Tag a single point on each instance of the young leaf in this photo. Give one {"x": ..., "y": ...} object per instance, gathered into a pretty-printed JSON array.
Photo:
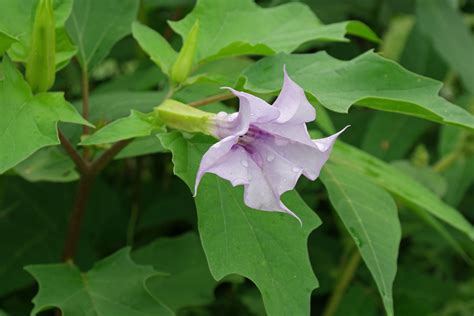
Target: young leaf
[
  {"x": 28, "y": 122},
  {"x": 414, "y": 194},
  {"x": 95, "y": 26},
  {"x": 368, "y": 80},
  {"x": 159, "y": 50},
  {"x": 229, "y": 28},
  {"x": 114, "y": 286},
  {"x": 188, "y": 281},
  {"x": 268, "y": 248},
  {"x": 370, "y": 215},
  {"x": 137, "y": 124}
]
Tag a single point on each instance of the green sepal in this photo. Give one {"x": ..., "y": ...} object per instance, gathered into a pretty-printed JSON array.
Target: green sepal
[{"x": 185, "y": 118}]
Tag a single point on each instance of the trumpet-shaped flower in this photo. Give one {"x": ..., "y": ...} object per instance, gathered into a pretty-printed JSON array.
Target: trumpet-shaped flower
[{"x": 266, "y": 148}]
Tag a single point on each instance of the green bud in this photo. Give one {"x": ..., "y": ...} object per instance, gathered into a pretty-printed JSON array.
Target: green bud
[
  {"x": 184, "y": 117},
  {"x": 184, "y": 62},
  {"x": 40, "y": 65}
]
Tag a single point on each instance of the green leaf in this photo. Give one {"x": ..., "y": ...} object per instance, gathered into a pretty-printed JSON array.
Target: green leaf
[
  {"x": 440, "y": 22},
  {"x": 137, "y": 124},
  {"x": 189, "y": 282},
  {"x": 412, "y": 193},
  {"x": 28, "y": 122},
  {"x": 6, "y": 41},
  {"x": 260, "y": 31},
  {"x": 48, "y": 164},
  {"x": 155, "y": 45},
  {"x": 370, "y": 215},
  {"x": 141, "y": 146},
  {"x": 240, "y": 240},
  {"x": 95, "y": 26},
  {"x": 114, "y": 286},
  {"x": 368, "y": 80}
]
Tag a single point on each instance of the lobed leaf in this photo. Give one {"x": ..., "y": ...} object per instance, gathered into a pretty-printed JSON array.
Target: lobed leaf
[
  {"x": 260, "y": 31},
  {"x": 188, "y": 281},
  {"x": 104, "y": 290},
  {"x": 367, "y": 80},
  {"x": 28, "y": 122},
  {"x": 269, "y": 248}
]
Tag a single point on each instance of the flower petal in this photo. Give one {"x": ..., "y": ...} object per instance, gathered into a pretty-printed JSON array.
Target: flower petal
[
  {"x": 214, "y": 157},
  {"x": 271, "y": 175},
  {"x": 255, "y": 109},
  {"x": 293, "y": 104}
]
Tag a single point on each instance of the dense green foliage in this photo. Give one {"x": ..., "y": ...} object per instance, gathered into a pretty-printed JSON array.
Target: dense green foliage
[{"x": 97, "y": 214}]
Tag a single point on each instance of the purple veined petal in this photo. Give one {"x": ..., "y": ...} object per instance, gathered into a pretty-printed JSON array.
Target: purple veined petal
[
  {"x": 270, "y": 176},
  {"x": 257, "y": 109},
  {"x": 293, "y": 104},
  {"x": 214, "y": 156},
  {"x": 290, "y": 132}
]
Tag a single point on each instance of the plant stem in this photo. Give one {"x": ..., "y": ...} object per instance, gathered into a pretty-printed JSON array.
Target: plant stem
[
  {"x": 446, "y": 161},
  {"x": 77, "y": 214},
  {"x": 348, "y": 270},
  {"x": 88, "y": 175},
  {"x": 101, "y": 162},
  {"x": 212, "y": 99},
  {"x": 81, "y": 164}
]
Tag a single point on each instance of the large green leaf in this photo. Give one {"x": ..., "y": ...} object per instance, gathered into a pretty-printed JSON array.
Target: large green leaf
[
  {"x": 28, "y": 122},
  {"x": 268, "y": 248},
  {"x": 137, "y": 124},
  {"x": 370, "y": 215},
  {"x": 440, "y": 22},
  {"x": 114, "y": 286},
  {"x": 241, "y": 27},
  {"x": 95, "y": 26},
  {"x": 188, "y": 281},
  {"x": 414, "y": 194},
  {"x": 368, "y": 80}
]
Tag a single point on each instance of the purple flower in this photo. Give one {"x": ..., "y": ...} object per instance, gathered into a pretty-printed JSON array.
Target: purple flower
[{"x": 266, "y": 148}]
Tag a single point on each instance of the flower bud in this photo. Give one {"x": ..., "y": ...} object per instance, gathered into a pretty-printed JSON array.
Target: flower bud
[
  {"x": 184, "y": 117},
  {"x": 184, "y": 62},
  {"x": 40, "y": 66}
]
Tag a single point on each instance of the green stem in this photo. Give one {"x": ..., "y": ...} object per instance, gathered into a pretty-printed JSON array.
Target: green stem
[
  {"x": 446, "y": 161},
  {"x": 348, "y": 270}
]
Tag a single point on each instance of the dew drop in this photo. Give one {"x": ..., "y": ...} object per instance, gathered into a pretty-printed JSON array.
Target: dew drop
[
  {"x": 244, "y": 163},
  {"x": 221, "y": 114},
  {"x": 270, "y": 158}
]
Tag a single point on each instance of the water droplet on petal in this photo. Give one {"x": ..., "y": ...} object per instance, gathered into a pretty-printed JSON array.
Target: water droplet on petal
[
  {"x": 296, "y": 169},
  {"x": 244, "y": 163},
  {"x": 270, "y": 158},
  {"x": 221, "y": 114}
]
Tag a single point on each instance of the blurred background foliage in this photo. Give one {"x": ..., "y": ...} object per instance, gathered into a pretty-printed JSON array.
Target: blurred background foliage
[{"x": 138, "y": 202}]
